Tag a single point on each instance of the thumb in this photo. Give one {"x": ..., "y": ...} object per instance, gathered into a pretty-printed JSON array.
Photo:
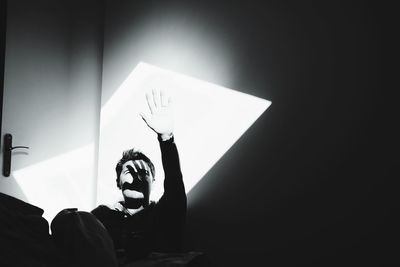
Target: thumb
[
  {"x": 147, "y": 120},
  {"x": 144, "y": 117}
]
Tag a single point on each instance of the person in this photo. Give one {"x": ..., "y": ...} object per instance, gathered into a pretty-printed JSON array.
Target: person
[{"x": 137, "y": 225}]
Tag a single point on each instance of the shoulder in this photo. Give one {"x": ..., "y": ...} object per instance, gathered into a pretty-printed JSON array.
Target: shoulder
[{"x": 103, "y": 210}]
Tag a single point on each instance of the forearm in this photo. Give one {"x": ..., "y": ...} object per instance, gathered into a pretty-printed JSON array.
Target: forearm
[{"x": 173, "y": 182}]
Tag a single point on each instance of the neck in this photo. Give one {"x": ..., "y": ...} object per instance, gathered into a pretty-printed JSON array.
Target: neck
[
  {"x": 121, "y": 207},
  {"x": 133, "y": 211}
]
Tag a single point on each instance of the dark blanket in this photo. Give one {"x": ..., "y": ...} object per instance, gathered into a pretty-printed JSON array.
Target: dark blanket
[
  {"x": 187, "y": 259},
  {"x": 24, "y": 235},
  {"x": 82, "y": 239},
  {"x": 78, "y": 238}
]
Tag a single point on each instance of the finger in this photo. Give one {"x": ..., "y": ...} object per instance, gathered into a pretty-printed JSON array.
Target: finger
[
  {"x": 131, "y": 168},
  {"x": 147, "y": 167},
  {"x": 147, "y": 120},
  {"x": 142, "y": 164},
  {"x": 156, "y": 98},
  {"x": 137, "y": 165},
  {"x": 144, "y": 117},
  {"x": 164, "y": 98},
  {"x": 150, "y": 102}
]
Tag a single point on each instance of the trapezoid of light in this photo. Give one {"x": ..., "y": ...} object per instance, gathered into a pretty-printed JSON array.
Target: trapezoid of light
[{"x": 208, "y": 120}]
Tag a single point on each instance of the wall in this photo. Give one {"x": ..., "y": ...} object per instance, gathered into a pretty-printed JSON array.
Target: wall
[
  {"x": 304, "y": 184},
  {"x": 307, "y": 183},
  {"x": 52, "y": 91},
  {"x": 3, "y": 21}
]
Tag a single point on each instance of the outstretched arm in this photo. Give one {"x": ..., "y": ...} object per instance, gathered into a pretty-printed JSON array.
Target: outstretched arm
[
  {"x": 171, "y": 208},
  {"x": 160, "y": 120}
]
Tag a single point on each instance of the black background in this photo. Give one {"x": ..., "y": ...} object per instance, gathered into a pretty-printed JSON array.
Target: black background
[{"x": 312, "y": 181}]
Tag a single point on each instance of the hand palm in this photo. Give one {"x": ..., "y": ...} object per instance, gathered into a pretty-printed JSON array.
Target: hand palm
[{"x": 160, "y": 119}]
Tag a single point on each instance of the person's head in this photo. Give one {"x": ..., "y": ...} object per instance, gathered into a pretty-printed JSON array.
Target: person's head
[{"x": 135, "y": 176}]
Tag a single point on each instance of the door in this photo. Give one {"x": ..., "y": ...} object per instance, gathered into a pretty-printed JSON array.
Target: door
[{"x": 51, "y": 102}]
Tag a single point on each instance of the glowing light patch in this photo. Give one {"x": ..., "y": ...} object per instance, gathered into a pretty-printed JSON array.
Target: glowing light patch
[
  {"x": 209, "y": 119},
  {"x": 64, "y": 181}
]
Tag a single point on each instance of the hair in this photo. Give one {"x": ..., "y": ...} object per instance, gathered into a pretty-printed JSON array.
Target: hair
[{"x": 133, "y": 154}]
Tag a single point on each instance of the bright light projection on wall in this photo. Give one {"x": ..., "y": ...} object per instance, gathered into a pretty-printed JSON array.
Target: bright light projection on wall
[
  {"x": 209, "y": 119},
  {"x": 60, "y": 182}
]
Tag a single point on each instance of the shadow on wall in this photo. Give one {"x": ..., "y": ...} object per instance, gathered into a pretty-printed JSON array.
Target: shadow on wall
[{"x": 300, "y": 186}]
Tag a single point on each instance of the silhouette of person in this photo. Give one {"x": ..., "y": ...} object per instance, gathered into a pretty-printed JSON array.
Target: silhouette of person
[{"x": 137, "y": 225}]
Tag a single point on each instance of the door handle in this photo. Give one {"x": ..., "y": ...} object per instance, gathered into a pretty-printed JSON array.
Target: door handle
[{"x": 7, "y": 149}]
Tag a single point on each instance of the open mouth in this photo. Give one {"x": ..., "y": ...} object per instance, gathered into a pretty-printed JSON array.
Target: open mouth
[{"x": 133, "y": 193}]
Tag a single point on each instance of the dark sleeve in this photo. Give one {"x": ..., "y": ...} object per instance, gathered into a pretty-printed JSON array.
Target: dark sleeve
[
  {"x": 174, "y": 189},
  {"x": 171, "y": 208}
]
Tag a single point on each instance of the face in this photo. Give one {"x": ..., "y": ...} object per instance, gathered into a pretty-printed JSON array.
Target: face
[{"x": 135, "y": 181}]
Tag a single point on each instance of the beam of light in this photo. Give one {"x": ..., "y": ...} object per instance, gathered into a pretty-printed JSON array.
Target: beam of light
[
  {"x": 64, "y": 181},
  {"x": 209, "y": 119}
]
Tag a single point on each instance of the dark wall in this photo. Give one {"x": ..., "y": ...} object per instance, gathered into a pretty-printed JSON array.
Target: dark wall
[{"x": 309, "y": 181}]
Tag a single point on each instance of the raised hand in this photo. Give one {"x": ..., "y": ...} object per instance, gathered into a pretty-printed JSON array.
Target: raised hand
[{"x": 160, "y": 119}]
